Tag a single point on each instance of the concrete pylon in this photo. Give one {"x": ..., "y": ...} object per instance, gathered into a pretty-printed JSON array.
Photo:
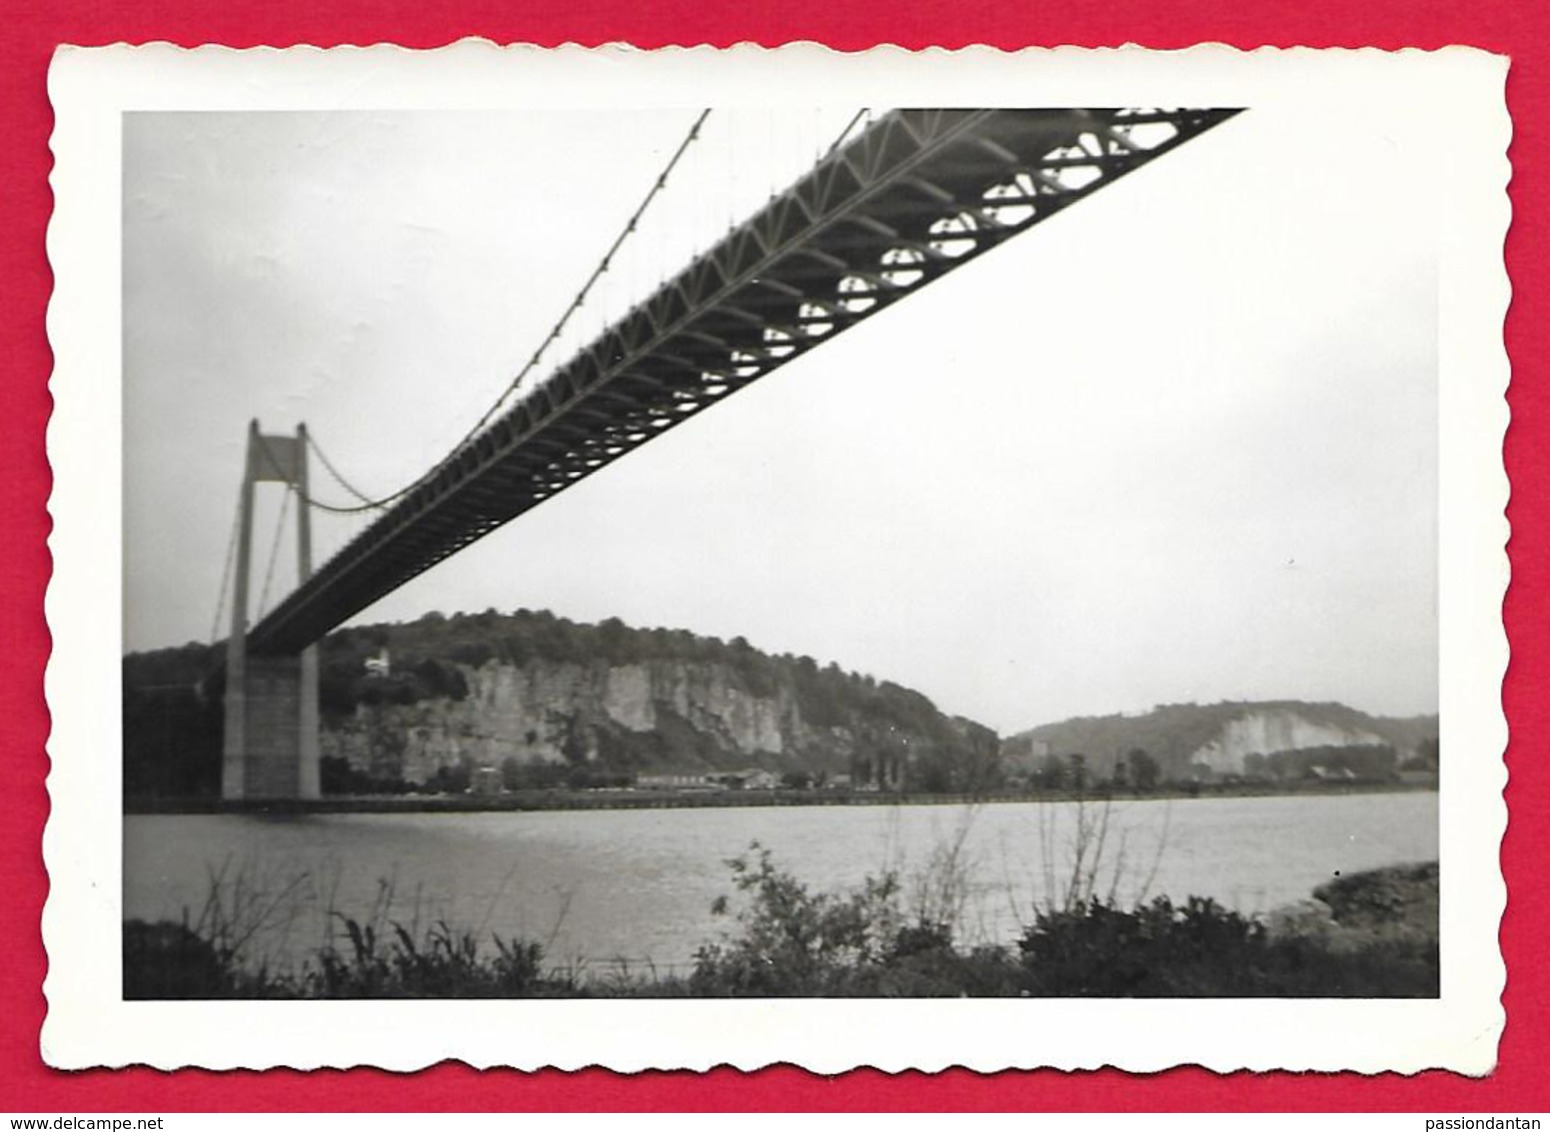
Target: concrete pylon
[{"x": 270, "y": 743}]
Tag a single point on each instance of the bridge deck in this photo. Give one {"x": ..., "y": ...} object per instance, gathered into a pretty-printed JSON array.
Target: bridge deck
[{"x": 909, "y": 199}]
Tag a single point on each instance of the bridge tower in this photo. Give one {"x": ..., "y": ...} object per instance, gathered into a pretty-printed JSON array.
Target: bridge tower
[{"x": 270, "y": 745}]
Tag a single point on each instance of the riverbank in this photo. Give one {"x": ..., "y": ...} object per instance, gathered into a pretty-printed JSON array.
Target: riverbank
[
  {"x": 621, "y": 799},
  {"x": 1368, "y": 935}
]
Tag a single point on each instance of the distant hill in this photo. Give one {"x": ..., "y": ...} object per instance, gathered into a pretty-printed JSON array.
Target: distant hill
[
  {"x": 1222, "y": 738},
  {"x": 548, "y": 700}
]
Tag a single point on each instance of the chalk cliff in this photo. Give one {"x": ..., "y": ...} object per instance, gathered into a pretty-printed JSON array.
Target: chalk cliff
[
  {"x": 652, "y": 712},
  {"x": 532, "y": 689},
  {"x": 1269, "y": 731}
]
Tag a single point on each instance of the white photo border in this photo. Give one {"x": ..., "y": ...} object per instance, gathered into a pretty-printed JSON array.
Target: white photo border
[{"x": 88, "y": 1022}]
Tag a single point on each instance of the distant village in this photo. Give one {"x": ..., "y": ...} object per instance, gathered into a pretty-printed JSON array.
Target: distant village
[{"x": 487, "y": 781}]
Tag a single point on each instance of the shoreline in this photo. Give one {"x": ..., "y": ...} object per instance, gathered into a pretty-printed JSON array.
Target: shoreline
[
  {"x": 532, "y": 801},
  {"x": 1371, "y": 934}
]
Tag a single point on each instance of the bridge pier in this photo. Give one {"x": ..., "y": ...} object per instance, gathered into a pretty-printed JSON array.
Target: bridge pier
[
  {"x": 276, "y": 754},
  {"x": 270, "y": 741}
]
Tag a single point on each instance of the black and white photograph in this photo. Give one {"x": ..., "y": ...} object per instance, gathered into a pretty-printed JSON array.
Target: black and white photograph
[{"x": 675, "y": 530}]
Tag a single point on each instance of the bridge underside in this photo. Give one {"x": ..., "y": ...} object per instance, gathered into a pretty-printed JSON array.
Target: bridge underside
[{"x": 912, "y": 197}]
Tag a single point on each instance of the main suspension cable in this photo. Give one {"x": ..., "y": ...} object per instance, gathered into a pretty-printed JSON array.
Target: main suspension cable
[
  {"x": 285, "y": 477},
  {"x": 368, "y": 503},
  {"x": 371, "y": 504},
  {"x": 333, "y": 471}
]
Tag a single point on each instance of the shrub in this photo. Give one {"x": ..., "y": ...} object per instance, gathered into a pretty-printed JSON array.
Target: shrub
[
  {"x": 1098, "y": 949},
  {"x": 168, "y": 960},
  {"x": 1199, "y": 949},
  {"x": 793, "y": 941}
]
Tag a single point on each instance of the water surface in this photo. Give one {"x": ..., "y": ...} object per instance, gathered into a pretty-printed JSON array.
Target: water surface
[{"x": 638, "y": 885}]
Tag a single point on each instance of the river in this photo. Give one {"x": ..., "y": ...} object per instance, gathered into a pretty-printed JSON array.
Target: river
[{"x": 603, "y": 886}]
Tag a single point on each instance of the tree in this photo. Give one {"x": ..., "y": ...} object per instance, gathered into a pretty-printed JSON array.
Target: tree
[
  {"x": 450, "y": 779},
  {"x": 617, "y": 641},
  {"x": 574, "y": 746},
  {"x": 1144, "y": 770},
  {"x": 1053, "y": 775},
  {"x": 511, "y": 773},
  {"x": 1078, "y": 772}
]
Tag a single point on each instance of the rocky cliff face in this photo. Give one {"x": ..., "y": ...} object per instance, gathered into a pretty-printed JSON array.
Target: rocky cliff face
[
  {"x": 552, "y": 701},
  {"x": 655, "y": 712},
  {"x": 1266, "y": 732}
]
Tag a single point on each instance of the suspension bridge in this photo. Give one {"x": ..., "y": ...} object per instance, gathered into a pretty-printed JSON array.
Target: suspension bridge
[{"x": 890, "y": 208}]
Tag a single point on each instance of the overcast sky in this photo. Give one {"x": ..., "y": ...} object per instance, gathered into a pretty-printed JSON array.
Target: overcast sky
[{"x": 1177, "y": 443}]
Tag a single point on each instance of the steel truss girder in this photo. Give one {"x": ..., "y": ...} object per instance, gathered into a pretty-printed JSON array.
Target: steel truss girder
[{"x": 906, "y": 201}]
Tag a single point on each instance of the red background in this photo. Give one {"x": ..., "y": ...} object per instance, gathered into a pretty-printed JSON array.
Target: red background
[{"x": 29, "y": 31}]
